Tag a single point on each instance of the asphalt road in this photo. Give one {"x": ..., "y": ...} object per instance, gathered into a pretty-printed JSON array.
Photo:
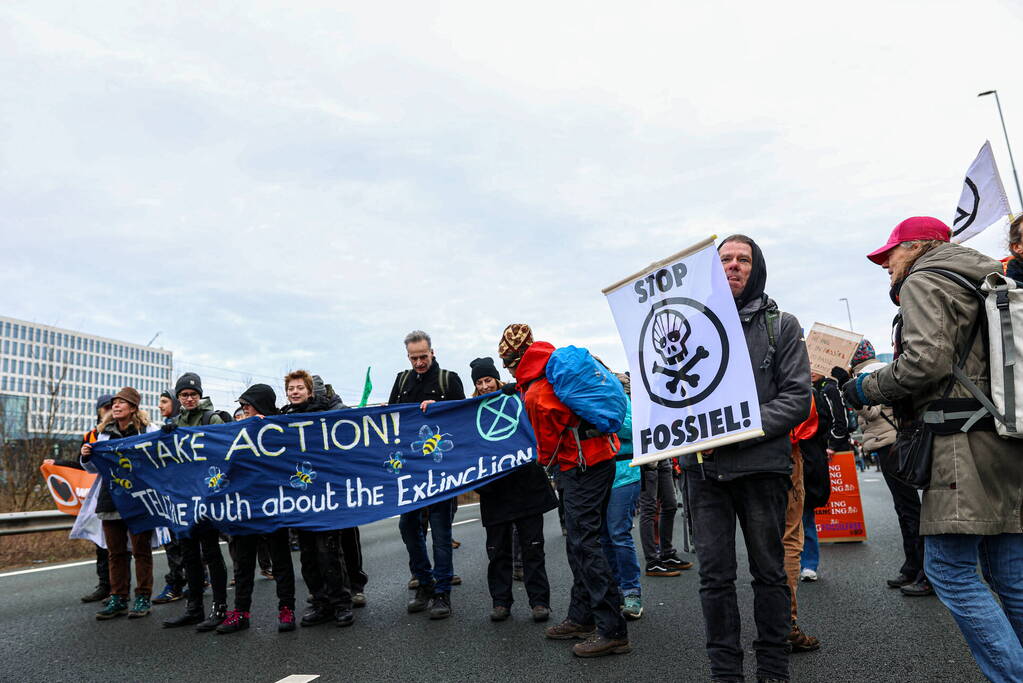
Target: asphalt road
[{"x": 869, "y": 633}]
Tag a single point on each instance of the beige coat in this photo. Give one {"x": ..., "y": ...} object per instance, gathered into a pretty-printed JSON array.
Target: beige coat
[
  {"x": 877, "y": 431},
  {"x": 977, "y": 478}
]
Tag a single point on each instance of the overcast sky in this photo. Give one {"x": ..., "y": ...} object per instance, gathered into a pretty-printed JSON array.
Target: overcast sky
[{"x": 274, "y": 187}]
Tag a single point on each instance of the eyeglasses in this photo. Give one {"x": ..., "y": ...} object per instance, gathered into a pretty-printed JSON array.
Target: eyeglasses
[{"x": 511, "y": 362}]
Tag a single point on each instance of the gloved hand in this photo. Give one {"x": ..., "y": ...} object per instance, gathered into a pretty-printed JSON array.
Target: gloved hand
[
  {"x": 852, "y": 392},
  {"x": 508, "y": 389},
  {"x": 168, "y": 427}
]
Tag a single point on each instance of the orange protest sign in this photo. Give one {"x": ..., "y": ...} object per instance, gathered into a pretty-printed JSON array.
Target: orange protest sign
[
  {"x": 842, "y": 519},
  {"x": 67, "y": 485}
]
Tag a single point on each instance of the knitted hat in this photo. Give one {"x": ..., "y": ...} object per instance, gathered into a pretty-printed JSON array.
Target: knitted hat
[
  {"x": 319, "y": 388},
  {"x": 262, "y": 398},
  {"x": 484, "y": 367},
  {"x": 130, "y": 395},
  {"x": 865, "y": 351},
  {"x": 515, "y": 339},
  {"x": 189, "y": 380}
]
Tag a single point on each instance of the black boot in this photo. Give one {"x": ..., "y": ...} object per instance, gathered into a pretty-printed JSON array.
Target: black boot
[
  {"x": 193, "y": 615},
  {"x": 420, "y": 600},
  {"x": 216, "y": 618},
  {"x": 97, "y": 594},
  {"x": 319, "y": 614},
  {"x": 343, "y": 616}
]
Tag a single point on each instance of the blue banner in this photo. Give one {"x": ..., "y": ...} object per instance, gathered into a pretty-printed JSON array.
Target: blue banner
[{"x": 317, "y": 471}]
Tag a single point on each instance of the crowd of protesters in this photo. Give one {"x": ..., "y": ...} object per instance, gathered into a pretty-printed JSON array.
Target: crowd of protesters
[{"x": 769, "y": 486}]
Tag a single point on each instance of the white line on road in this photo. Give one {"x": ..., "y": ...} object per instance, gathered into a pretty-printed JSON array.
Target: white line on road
[
  {"x": 474, "y": 519},
  {"x": 299, "y": 678},
  {"x": 871, "y": 480}
]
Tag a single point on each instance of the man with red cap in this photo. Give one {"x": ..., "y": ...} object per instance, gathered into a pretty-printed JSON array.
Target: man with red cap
[{"x": 971, "y": 503}]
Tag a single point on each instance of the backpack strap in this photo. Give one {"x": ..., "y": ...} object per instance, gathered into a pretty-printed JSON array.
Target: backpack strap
[
  {"x": 771, "y": 316},
  {"x": 444, "y": 383},
  {"x": 1001, "y": 293},
  {"x": 404, "y": 380},
  {"x": 207, "y": 415}
]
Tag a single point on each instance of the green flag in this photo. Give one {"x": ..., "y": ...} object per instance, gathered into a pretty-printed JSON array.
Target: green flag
[{"x": 366, "y": 389}]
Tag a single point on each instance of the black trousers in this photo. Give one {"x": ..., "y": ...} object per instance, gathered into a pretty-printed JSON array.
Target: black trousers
[
  {"x": 176, "y": 577},
  {"x": 758, "y": 503},
  {"x": 103, "y": 568},
  {"x": 907, "y": 508},
  {"x": 596, "y": 598},
  {"x": 534, "y": 570},
  {"x": 247, "y": 550},
  {"x": 323, "y": 569},
  {"x": 351, "y": 549},
  {"x": 203, "y": 546}
]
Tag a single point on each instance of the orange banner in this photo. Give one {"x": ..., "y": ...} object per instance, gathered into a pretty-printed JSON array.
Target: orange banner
[
  {"x": 842, "y": 519},
  {"x": 67, "y": 485}
]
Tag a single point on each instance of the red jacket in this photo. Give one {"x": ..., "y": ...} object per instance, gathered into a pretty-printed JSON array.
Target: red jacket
[{"x": 552, "y": 420}]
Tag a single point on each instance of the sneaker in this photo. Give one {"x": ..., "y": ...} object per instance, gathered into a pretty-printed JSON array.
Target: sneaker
[
  {"x": 215, "y": 619},
  {"x": 673, "y": 561},
  {"x": 541, "y": 613},
  {"x": 141, "y": 607},
  {"x": 517, "y": 575},
  {"x": 499, "y": 613},
  {"x": 800, "y": 642},
  {"x": 285, "y": 619},
  {"x": 168, "y": 594},
  {"x": 633, "y": 608},
  {"x": 658, "y": 568},
  {"x": 440, "y": 606},
  {"x": 899, "y": 581},
  {"x": 918, "y": 589},
  {"x": 456, "y": 580},
  {"x": 598, "y": 646},
  {"x": 266, "y": 574},
  {"x": 808, "y": 575},
  {"x": 567, "y": 630},
  {"x": 358, "y": 599},
  {"x": 420, "y": 600},
  {"x": 117, "y": 606},
  {"x": 98, "y": 593},
  {"x": 456, "y": 544},
  {"x": 235, "y": 621}
]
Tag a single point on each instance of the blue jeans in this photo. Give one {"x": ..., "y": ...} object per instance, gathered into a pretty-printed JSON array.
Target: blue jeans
[
  {"x": 412, "y": 534},
  {"x": 616, "y": 538},
  {"x": 811, "y": 557},
  {"x": 994, "y": 632}
]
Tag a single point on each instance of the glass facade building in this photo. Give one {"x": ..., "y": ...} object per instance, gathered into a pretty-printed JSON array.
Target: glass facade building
[{"x": 60, "y": 373}]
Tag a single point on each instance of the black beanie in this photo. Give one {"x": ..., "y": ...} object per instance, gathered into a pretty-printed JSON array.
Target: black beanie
[
  {"x": 484, "y": 367},
  {"x": 189, "y": 380},
  {"x": 262, "y": 398}
]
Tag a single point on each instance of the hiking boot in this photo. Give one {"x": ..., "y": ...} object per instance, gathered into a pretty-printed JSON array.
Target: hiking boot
[
  {"x": 567, "y": 630},
  {"x": 358, "y": 599},
  {"x": 541, "y": 613},
  {"x": 598, "y": 646},
  {"x": 499, "y": 613},
  {"x": 235, "y": 621},
  {"x": 808, "y": 575},
  {"x": 343, "y": 616},
  {"x": 141, "y": 607},
  {"x": 413, "y": 583},
  {"x": 899, "y": 581},
  {"x": 658, "y": 568},
  {"x": 319, "y": 614},
  {"x": 193, "y": 615},
  {"x": 420, "y": 600},
  {"x": 168, "y": 594},
  {"x": 98, "y": 593},
  {"x": 440, "y": 606},
  {"x": 215, "y": 619},
  {"x": 633, "y": 608},
  {"x": 117, "y": 606},
  {"x": 517, "y": 574},
  {"x": 918, "y": 589},
  {"x": 800, "y": 642},
  {"x": 673, "y": 561},
  {"x": 285, "y": 619}
]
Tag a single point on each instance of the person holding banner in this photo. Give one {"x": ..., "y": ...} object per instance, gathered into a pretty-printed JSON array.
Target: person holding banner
[
  {"x": 974, "y": 482},
  {"x": 749, "y": 481},
  {"x": 175, "y": 579},
  {"x": 124, "y": 419}
]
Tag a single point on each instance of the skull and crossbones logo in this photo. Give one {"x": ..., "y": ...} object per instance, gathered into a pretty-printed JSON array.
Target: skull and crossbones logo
[{"x": 670, "y": 332}]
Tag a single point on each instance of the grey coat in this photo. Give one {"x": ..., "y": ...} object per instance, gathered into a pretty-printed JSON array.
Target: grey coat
[
  {"x": 783, "y": 389},
  {"x": 976, "y": 478}
]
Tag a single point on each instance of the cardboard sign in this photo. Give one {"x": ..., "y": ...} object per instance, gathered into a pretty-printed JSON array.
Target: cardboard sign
[
  {"x": 67, "y": 485},
  {"x": 829, "y": 346},
  {"x": 842, "y": 519}
]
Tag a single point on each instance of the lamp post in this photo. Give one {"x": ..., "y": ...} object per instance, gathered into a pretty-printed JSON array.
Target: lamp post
[
  {"x": 848, "y": 312},
  {"x": 1006, "y": 133}
]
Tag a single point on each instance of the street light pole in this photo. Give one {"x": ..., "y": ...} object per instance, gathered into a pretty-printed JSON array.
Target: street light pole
[
  {"x": 1012, "y": 162},
  {"x": 848, "y": 312}
]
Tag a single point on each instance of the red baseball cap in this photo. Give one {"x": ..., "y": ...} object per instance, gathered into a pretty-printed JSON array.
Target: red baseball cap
[{"x": 915, "y": 228}]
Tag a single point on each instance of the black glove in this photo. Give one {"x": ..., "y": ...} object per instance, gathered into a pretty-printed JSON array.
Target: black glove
[
  {"x": 508, "y": 389},
  {"x": 852, "y": 392},
  {"x": 168, "y": 427},
  {"x": 840, "y": 375}
]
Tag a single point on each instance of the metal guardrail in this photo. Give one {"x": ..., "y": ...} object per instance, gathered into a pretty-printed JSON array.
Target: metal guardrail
[{"x": 34, "y": 522}]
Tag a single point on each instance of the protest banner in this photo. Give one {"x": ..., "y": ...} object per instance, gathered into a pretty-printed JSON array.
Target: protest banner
[
  {"x": 982, "y": 202},
  {"x": 830, "y": 346},
  {"x": 841, "y": 520},
  {"x": 318, "y": 471},
  {"x": 67, "y": 485},
  {"x": 692, "y": 382}
]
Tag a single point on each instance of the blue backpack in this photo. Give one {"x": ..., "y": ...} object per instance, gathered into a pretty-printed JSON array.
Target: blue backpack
[{"x": 588, "y": 388}]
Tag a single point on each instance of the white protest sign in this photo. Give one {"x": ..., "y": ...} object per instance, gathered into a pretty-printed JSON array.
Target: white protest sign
[
  {"x": 692, "y": 382},
  {"x": 830, "y": 346},
  {"x": 982, "y": 202}
]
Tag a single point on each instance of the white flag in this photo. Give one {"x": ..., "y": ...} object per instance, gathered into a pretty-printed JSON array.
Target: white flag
[
  {"x": 983, "y": 202},
  {"x": 692, "y": 382}
]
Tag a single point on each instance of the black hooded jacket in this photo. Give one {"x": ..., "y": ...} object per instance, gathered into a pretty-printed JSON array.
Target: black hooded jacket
[{"x": 416, "y": 388}]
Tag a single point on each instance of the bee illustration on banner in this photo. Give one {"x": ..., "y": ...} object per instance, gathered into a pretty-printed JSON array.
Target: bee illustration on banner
[
  {"x": 118, "y": 485},
  {"x": 394, "y": 463},
  {"x": 432, "y": 442},
  {"x": 303, "y": 476},
  {"x": 124, "y": 463},
  {"x": 216, "y": 481}
]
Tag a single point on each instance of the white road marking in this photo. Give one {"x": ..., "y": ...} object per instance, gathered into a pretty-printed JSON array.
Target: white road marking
[
  {"x": 299, "y": 678},
  {"x": 474, "y": 519},
  {"x": 871, "y": 480}
]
